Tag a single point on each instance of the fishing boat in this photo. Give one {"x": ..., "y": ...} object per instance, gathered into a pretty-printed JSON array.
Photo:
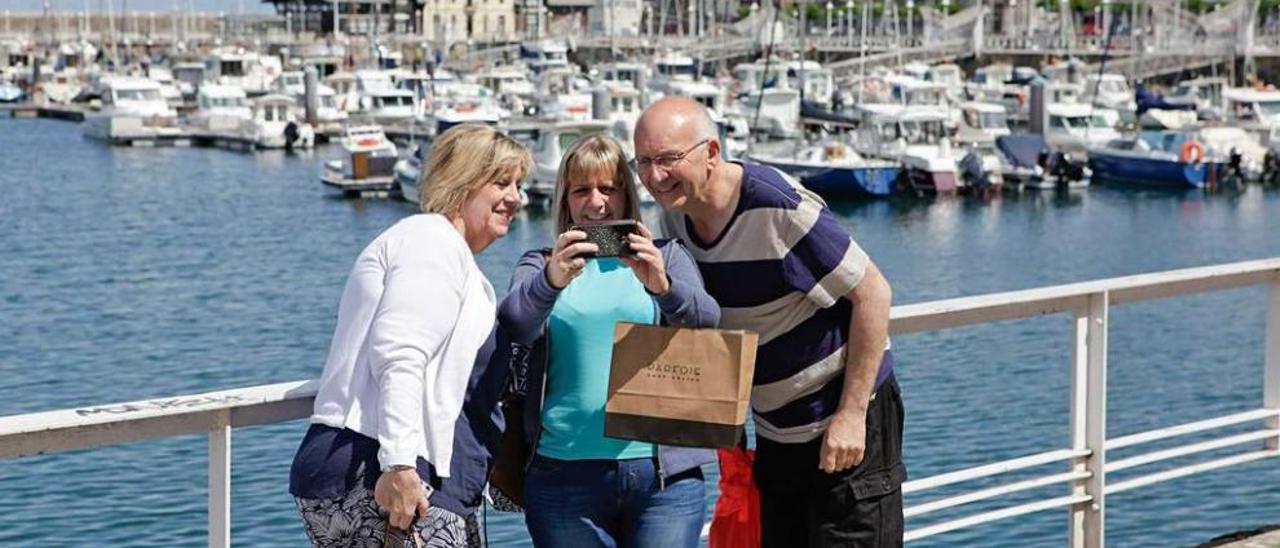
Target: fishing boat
[
  {"x": 132, "y": 109},
  {"x": 408, "y": 170},
  {"x": 1031, "y": 164},
  {"x": 369, "y": 164},
  {"x": 833, "y": 169},
  {"x": 275, "y": 124},
  {"x": 1159, "y": 159}
]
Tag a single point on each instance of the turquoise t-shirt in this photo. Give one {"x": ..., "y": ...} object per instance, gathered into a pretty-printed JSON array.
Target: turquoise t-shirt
[{"x": 581, "y": 331}]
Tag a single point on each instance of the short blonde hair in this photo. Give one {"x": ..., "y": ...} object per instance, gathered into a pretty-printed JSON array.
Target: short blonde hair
[
  {"x": 591, "y": 155},
  {"x": 464, "y": 159}
]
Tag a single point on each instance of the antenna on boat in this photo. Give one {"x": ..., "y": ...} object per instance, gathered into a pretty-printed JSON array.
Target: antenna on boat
[
  {"x": 1102, "y": 68},
  {"x": 768, "y": 60}
]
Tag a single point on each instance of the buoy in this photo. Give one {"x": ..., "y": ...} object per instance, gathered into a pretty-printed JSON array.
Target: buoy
[{"x": 1192, "y": 151}]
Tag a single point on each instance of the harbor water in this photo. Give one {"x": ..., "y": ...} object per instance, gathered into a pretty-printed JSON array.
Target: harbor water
[{"x": 138, "y": 273}]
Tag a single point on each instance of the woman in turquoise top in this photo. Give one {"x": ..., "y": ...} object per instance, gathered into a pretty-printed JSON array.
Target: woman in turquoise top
[{"x": 581, "y": 488}]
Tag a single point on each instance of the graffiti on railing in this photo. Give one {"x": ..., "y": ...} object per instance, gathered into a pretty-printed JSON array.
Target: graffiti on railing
[{"x": 161, "y": 405}]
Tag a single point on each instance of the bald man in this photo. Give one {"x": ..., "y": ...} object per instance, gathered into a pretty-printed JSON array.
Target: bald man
[{"x": 827, "y": 409}]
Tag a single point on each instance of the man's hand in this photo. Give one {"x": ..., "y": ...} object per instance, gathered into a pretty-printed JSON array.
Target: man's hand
[
  {"x": 400, "y": 493},
  {"x": 844, "y": 443}
]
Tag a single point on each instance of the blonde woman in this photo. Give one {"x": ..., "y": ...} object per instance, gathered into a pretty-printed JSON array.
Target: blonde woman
[
  {"x": 392, "y": 454},
  {"x": 583, "y": 489}
]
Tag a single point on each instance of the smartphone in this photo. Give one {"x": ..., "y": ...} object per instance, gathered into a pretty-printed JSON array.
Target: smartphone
[{"x": 610, "y": 237}]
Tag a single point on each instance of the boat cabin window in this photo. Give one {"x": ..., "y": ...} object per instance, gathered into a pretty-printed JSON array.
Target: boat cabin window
[
  {"x": 984, "y": 120},
  {"x": 568, "y": 138},
  {"x": 622, "y": 104},
  {"x": 137, "y": 95},
  {"x": 275, "y": 113},
  {"x": 231, "y": 68},
  {"x": 389, "y": 101},
  {"x": 670, "y": 69},
  {"x": 221, "y": 102},
  {"x": 1267, "y": 109},
  {"x": 922, "y": 132},
  {"x": 1076, "y": 122}
]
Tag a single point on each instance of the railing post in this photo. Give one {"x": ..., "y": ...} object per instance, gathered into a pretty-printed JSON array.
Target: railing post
[
  {"x": 1089, "y": 421},
  {"x": 220, "y": 480},
  {"x": 1271, "y": 376}
]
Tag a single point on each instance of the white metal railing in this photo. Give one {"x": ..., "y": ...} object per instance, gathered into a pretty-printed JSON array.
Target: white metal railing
[{"x": 1088, "y": 304}]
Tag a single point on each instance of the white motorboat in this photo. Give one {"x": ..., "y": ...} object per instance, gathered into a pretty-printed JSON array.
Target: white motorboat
[
  {"x": 220, "y": 108},
  {"x": 368, "y": 166},
  {"x": 275, "y": 124},
  {"x": 549, "y": 143},
  {"x": 132, "y": 108}
]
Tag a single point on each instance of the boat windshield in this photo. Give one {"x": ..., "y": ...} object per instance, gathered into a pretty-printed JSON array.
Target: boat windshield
[
  {"x": 1112, "y": 87},
  {"x": 1268, "y": 109},
  {"x": 1075, "y": 122},
  {"x": 924, "y": 97},
  {"x": 921, "y": 132},
  {"x": 223, "y": 102},
  {"x": 676, "y": 69},
  {"x": 568, "y": 138},
  {"x": 394, "y": 101},
  {"x": 986, "y": 120}
]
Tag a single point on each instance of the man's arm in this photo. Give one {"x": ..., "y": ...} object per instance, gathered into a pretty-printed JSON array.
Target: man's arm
[{"x": 844, "y": 443}]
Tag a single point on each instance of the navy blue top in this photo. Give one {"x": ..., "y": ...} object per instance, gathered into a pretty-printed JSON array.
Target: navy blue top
[{"x": 331, "y": 461}]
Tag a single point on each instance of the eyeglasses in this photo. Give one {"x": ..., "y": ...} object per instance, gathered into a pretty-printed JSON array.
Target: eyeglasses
[{"x": 666, "y": 161}]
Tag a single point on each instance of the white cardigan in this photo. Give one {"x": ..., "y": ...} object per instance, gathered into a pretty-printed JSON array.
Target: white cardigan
[{"x": 414, "y": 312}]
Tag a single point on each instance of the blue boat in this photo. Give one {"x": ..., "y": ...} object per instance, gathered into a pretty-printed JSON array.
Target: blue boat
[
  {"x": 835, "y": 170},
  {"x": 1158, "y": 159}
]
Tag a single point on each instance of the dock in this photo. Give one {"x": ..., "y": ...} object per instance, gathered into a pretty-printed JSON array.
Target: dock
[
  {"x": 52, "y": 111},
  {"x": 1264, "y": 537}
]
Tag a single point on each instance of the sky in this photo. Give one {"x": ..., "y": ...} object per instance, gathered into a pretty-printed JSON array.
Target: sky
[{"x": 228, "y": 6}]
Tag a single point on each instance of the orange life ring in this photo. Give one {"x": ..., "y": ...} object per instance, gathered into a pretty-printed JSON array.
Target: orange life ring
[{"x": 1192, "y": 152}]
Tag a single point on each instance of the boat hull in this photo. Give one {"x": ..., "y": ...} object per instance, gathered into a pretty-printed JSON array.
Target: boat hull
[
  {"x": 872, "y": 181},
  {"x": 1155, "y": 172}
]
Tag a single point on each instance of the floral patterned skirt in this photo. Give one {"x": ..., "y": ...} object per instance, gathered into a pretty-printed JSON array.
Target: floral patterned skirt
[{"x": 354, "y": 520}]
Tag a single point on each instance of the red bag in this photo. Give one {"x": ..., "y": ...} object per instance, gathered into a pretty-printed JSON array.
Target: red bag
[{"x": 736, "y": 521}]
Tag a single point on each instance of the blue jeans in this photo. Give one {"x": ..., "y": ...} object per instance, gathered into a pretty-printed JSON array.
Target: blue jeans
[{"x": 611, "y": 503}]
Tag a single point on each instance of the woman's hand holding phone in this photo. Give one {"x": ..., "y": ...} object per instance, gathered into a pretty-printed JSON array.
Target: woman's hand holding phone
[
  {"x": 566, "y": 260},
  {"x": 647, "y": 262}
]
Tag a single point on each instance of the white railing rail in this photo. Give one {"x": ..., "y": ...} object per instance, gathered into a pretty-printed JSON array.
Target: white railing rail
[{"x": 1088, "y": 304}]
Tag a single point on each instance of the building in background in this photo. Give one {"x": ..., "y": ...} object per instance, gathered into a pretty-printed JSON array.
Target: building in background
[
  {"x": 615, "y": 17},
  {"x": 470, "y": 20},
  {"x": 354, "y": 16},
  {"x": 447, "y": 20}
]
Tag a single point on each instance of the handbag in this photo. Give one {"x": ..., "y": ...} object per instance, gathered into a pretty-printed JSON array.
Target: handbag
[{"x": 506, "y": 480}]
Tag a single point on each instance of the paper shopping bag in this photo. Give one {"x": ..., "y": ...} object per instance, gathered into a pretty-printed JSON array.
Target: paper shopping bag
[{"x": 679, "y": 385}]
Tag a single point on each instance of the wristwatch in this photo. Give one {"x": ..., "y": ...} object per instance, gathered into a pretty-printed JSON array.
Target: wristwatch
[{"x": 398, "y": 468}]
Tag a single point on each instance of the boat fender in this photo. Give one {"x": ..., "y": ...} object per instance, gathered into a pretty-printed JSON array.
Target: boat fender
[
  {"x": 291, "y": 133},
  {"x": 1192, "y": 152}
]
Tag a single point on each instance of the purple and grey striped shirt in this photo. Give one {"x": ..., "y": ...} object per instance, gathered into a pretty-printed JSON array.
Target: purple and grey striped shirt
[{"x": 780, "y": 268}]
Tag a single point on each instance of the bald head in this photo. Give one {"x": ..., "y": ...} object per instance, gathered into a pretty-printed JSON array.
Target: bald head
[{"x": 677, "y": 116}]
